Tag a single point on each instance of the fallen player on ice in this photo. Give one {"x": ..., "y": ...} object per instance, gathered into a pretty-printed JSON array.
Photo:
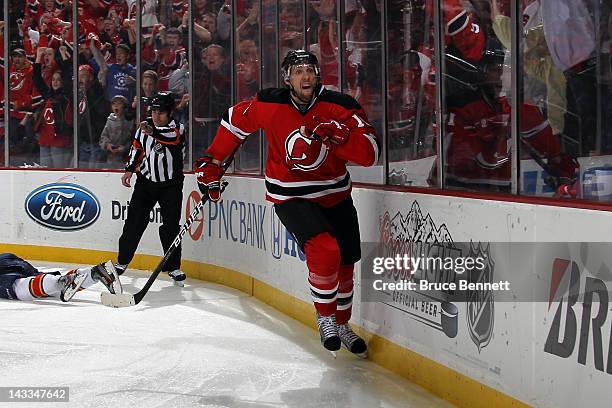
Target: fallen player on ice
[{"x": 20, "y": 280}]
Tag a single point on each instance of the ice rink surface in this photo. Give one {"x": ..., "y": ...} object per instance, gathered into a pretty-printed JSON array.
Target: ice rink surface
[{"x": 203, "y": 345}]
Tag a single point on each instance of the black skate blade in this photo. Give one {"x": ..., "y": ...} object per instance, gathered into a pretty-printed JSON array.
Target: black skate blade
[{"x": 122, "y": 300}]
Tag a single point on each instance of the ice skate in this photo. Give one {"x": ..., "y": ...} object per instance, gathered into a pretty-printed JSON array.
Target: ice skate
[
  {"x": 351, "y": 341},
  {"x": 329, "y": 333},
  {"x": 120, "y": 268},
  {"x": 106, "y": 273},
  {"x": 178, "y": 277},
  {"x": 71, "y": 282}
]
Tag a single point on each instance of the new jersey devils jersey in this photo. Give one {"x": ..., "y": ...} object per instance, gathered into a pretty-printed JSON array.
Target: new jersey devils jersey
[
  {"x": 478, "y": 141},
  {"x": 24, "y": 96},
  {"x": 168, "y": 60},
  {"x": 297, "y": 166},
  {"x": 460, "y": 29}
]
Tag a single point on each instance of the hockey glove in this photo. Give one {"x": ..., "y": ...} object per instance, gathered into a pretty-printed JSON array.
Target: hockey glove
[
  {"x": 568, "y": 190},
  {"x": 563, "y": 165},
  {"x": 209, "y": 175},
  {"x": 328, "y": 130}
]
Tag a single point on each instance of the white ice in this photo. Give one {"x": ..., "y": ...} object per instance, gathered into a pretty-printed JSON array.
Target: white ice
[{"x": 203, "y": 345}]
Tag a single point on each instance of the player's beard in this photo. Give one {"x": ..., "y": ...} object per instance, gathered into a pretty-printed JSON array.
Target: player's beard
[{"x": 300, "y": 97}]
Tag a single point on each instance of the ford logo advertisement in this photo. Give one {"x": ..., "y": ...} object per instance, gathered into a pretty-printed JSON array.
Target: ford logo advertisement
[{"x": 63, "y": 207}]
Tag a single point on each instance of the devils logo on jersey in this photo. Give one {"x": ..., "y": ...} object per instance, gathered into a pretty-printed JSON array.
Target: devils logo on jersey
[
  {"x": 17, "y": 80},
  {"x": 304, "y": 153},
  {"x": 82, "y": 105},
  {"x": 49, "y": 116}
]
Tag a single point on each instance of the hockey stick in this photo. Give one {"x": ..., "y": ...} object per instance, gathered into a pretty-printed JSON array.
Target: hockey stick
[
  {"x": 128, "y": 299},
  {"x": 554, "y": 179}
]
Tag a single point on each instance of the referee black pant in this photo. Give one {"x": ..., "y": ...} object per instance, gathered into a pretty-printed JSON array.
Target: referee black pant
[{"x": 146, "y": 195}]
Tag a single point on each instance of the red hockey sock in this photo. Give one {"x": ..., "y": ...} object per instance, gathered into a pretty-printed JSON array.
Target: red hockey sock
[
  {"x": 323, "y": 260},
  {"x": 345, "y": 294}
]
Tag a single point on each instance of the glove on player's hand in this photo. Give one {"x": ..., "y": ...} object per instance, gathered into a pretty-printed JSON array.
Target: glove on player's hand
[
  {"x": 209, "y": 177},
  {"x": 328, "y": 130},
  {"x": 563, "y": 165}
]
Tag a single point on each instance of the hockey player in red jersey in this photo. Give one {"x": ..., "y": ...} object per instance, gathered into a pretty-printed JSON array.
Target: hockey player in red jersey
[
  {"x": 312, "y": 133},
  {"x": 461, "y": 31},
  {"x": 477, "y": 140}
]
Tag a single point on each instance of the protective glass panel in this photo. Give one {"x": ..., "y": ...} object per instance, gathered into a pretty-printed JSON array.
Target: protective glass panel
[
  {"x": 566, "y": 110},
  {"x": 212, "y": 80},
  {"x": 3, "y": 58},
  {"x": 248, "y": 81},
  {"x": 323, "y": 39},
  {"x": 39, "y": 62},
  {"x": 476, "y": 109},
  {"x": 165, "y": 40},
  {"x": 411, "y": 69},
  {"x": 291, "y": 26},
  {"x": 106, "y": 83},
  {"x": 363, "y": 73},
  {"x": 269, "y": 50}
]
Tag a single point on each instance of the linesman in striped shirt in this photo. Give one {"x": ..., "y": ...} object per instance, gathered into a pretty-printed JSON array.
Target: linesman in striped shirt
[{"x": 156, "y": 156}]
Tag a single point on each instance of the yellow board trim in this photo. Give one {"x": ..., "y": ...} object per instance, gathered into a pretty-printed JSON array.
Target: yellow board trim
[{"x": 442, "y": 381}]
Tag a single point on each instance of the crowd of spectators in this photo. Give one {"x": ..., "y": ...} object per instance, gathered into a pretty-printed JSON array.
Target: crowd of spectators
[
  {"x": 566, "y": 54},
  {"x": 106, "y": 60},
  {"x": 40, "y": 64}
]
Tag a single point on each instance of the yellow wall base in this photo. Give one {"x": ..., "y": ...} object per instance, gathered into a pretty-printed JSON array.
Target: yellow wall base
[{"x": 442, "y": 381}]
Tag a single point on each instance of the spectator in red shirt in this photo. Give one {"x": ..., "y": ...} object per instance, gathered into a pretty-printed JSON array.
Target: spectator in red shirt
[
  {"x": 25, "y": 99},
  {"x": 167, "y": 59},
  {"x": 54, "y": 124}
]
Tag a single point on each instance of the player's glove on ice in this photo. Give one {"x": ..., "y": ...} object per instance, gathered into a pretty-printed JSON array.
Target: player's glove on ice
[
  {"x": 328, "y": 130},
  {"x": 209, "y": 177}
]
